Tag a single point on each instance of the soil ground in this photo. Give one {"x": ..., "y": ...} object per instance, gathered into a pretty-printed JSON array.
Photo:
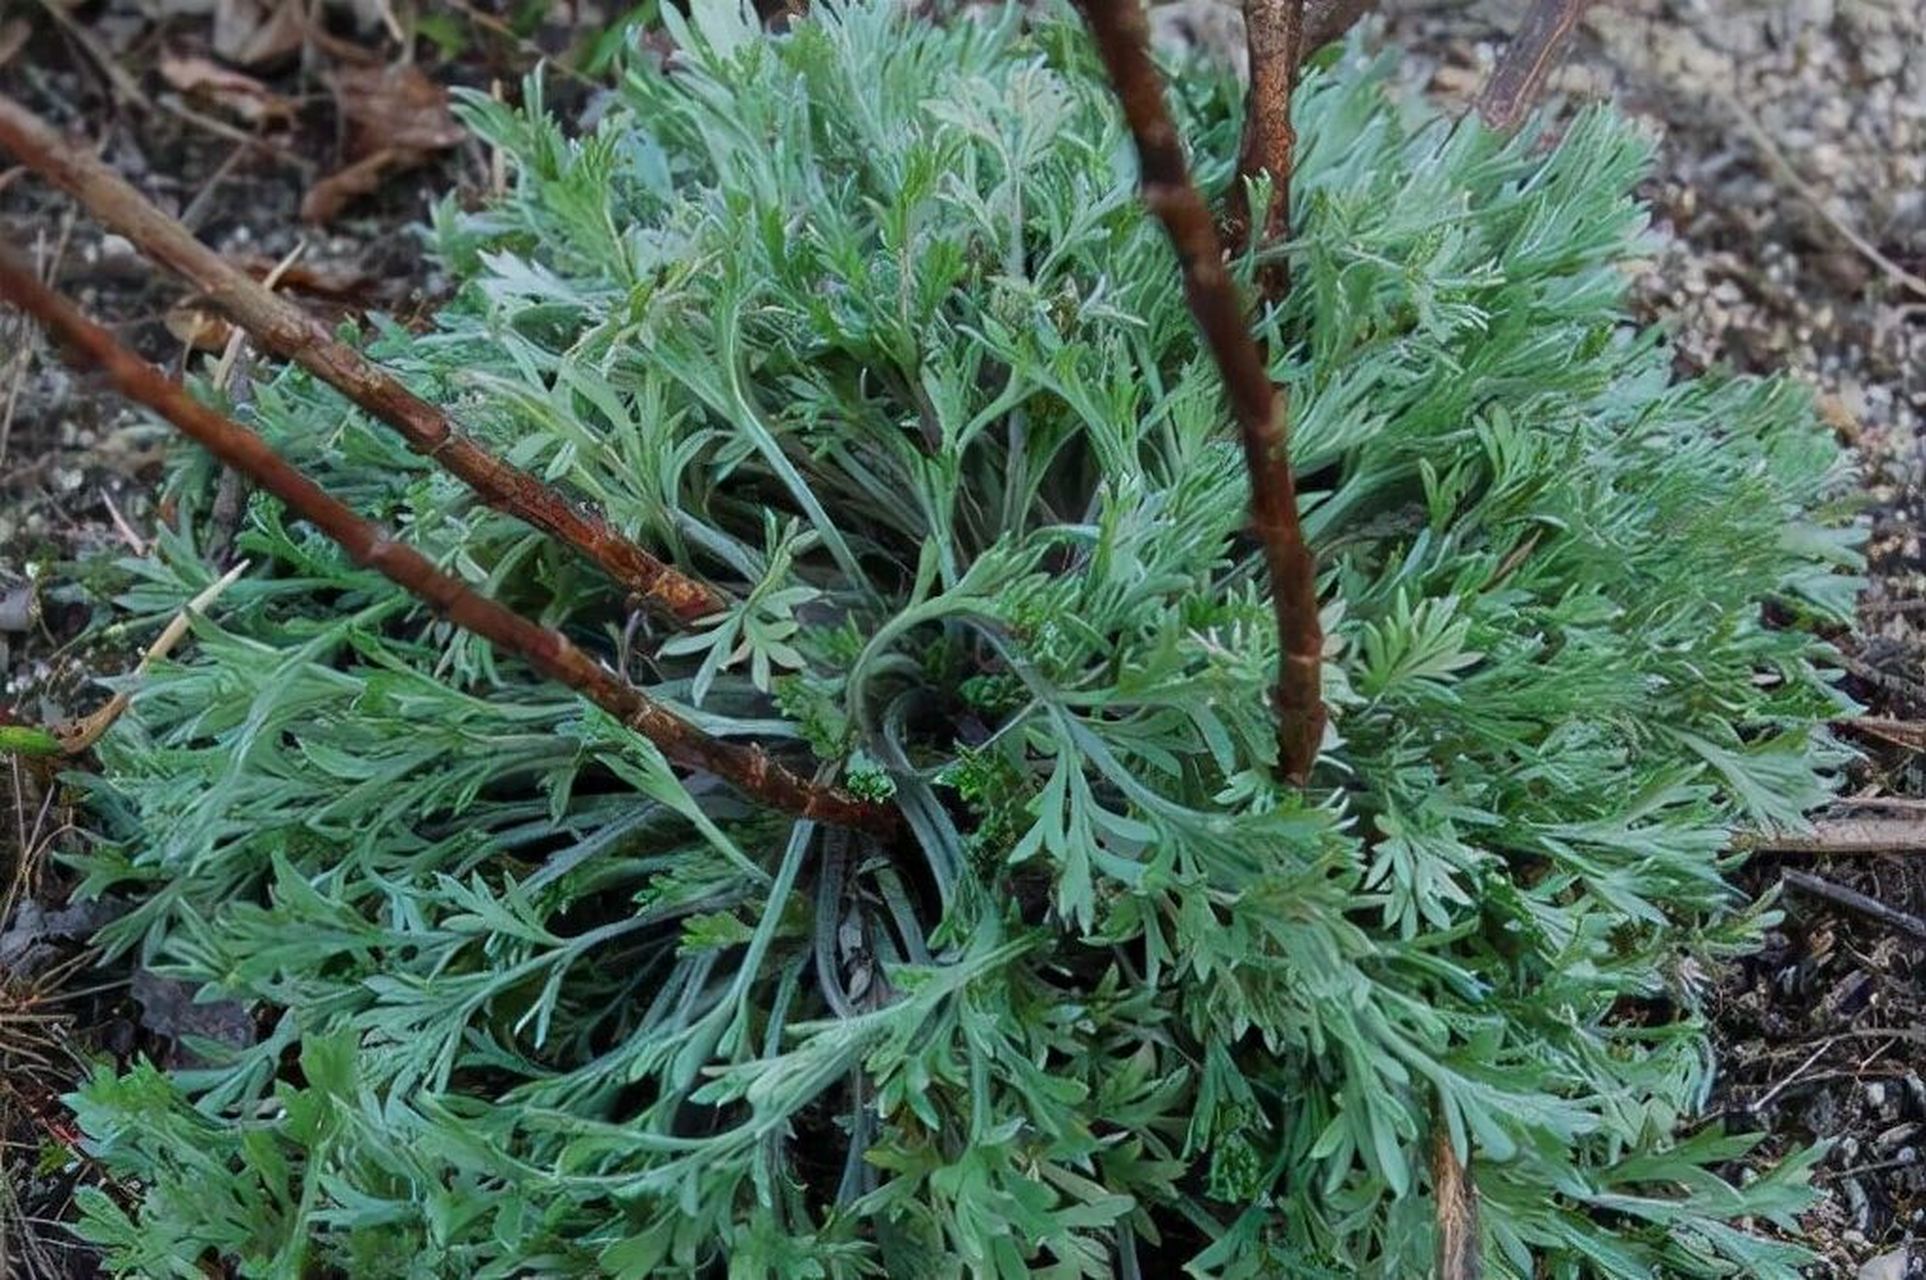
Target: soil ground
[{"x": 1790, "y": 199}]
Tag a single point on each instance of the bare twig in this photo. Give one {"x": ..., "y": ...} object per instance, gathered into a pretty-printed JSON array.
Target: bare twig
[
  {"x": 201, "y": 207},
  {"x": 285, "y": 329},
  {"x": 1765, "y": 1099},
  {"x": 85, "y": 732},
  {"x": 749, "y": 769},
  {"x": 16, "y": 378},
  {"x": 1899, "y": 733},
  {"x": 1812, "y": 196},
  {"x": 1520, "y": 75},
  {"x": 135, "y": 543},
  {"x": 1273, "y": 29},
  {"x": 1460, "y": 1253},
  {"x": 1853, "y": 900},
  {"x": 1887, "y": 804},
  {"x": 1260, "y": 411},
  {"x": 1845, "y": 837}
]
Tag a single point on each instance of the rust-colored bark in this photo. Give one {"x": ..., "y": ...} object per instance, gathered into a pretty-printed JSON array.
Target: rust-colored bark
[
  {"x": 548, "y": 651},
  {"x": 1122, "y": 38},
  {"x": 1520, "y": 75},
  {"x": 1273, "y": 32},
  {"x": 285, "y": 329}
]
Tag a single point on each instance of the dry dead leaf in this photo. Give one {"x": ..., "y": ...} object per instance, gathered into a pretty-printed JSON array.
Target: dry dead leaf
[
  {"x": 13, "y": 35},
  {"x": 251, "y": 33},
  {"x": 327, "y": 198},
  {"x": 29, "y": 942},
  {"x": 174, "y": 1009},
  {"x": 235, "y": 92},
  {"x": 394, "y": 108},
  {"x": 339, "y": 284},
  {"x": 396, "y": 118},
  {"x": 196, "y": 326},
  {"x": 1832, "y": 411},
  {"x": 1459, "y": 1254}
]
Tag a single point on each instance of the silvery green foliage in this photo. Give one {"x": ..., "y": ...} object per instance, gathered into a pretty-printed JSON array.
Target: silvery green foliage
[{"x": 865, "y": 324}]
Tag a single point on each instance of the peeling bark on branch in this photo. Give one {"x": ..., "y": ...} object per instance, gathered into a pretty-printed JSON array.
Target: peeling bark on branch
[
  {"x": 291, "y": 333},
  {"x": 1122, "y": 37},
  {"x": 1460, "y": 1245},
  {"x": 548, "y": 651}
]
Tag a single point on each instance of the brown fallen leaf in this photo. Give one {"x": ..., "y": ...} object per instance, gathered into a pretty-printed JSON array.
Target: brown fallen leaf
[
  {"x": 235, "y": 92},
  {"x": 396, "y": 118},
  {"x": 394, "y": 108},
  {"x": 1832, "y": 411},
  {"x": 196, "y": 326},
  {"x": 327, "y": 198}
]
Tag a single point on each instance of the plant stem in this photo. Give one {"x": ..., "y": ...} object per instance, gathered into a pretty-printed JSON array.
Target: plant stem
[
  {"x": 547, "y": 650},
  {"x": 1273, "y": 30},
  {"x": 291, "y": 333},
  {"x": 1520, "y": 75},
  {"x": 1259, "y": 409}
]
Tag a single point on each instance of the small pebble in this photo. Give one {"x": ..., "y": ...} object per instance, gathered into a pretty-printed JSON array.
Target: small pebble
[{"x": 1887, "y": 1266}]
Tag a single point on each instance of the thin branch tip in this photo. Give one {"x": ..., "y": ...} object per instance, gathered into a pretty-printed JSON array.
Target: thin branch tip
[{"x": 1122, "y": 38}]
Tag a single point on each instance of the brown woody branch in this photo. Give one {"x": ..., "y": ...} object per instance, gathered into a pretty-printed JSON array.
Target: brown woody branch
[
  {"x": 1326, "y": 20},
  {"x": 1843, "y": 837},
  {"x": 1852, "y": 900},
  {"x": 548, "y": 651},
  {"x": 1521, "y": 72},
  {"x": 291, "y": 333},
  {"x": 1273, "y": 32},
  {"x": 1122, "y": 39}
]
